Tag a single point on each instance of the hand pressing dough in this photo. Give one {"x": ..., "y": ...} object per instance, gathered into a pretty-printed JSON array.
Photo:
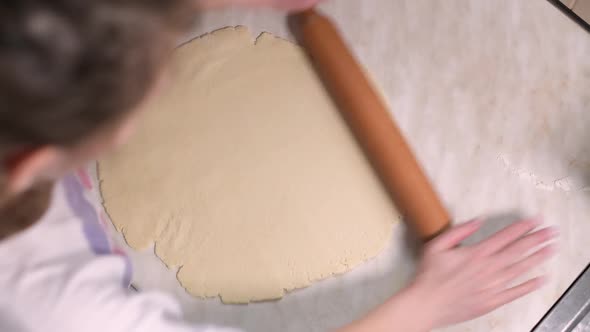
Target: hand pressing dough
[{"x": 245, "y": 176}]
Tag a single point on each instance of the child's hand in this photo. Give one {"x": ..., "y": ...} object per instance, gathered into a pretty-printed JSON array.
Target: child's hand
[
  {"x": 280, "y": 4},
  {"x": 456, "y": 284}
]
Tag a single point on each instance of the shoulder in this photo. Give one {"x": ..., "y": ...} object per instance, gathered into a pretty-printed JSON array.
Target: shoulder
[{"x": 48, "y": 267}]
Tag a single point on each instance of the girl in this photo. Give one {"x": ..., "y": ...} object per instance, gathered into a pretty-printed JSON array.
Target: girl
[{"x": 74, "y": 76}]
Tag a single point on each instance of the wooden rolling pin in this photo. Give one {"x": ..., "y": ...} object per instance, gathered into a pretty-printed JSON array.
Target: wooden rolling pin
[{"x": 371, "y": 123}]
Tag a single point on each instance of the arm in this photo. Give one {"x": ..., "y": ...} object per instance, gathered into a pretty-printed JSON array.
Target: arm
[
  {"x": 77, "y": 293},
  {"x": 401, "y": 313},
  {"x": 456, "y": 284},
  {"x": 60, "y": 275}
]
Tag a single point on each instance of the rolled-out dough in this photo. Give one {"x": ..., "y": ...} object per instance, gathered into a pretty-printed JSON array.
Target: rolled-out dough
[{"x": 244, "y": 175}]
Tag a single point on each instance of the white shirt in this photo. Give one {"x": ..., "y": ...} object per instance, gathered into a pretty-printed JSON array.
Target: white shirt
[{"x": 64, "y": 275}]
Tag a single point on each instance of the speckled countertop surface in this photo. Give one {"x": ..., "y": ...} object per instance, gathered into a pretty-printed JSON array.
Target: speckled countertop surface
[{"x": 494, "y": 96}]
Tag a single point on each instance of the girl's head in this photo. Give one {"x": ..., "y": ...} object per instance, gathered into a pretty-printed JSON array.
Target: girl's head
[{"x": 71, "y": 74}]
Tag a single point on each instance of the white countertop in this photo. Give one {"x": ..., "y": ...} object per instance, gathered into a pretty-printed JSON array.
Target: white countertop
[{"x": 494, "y": 96}]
